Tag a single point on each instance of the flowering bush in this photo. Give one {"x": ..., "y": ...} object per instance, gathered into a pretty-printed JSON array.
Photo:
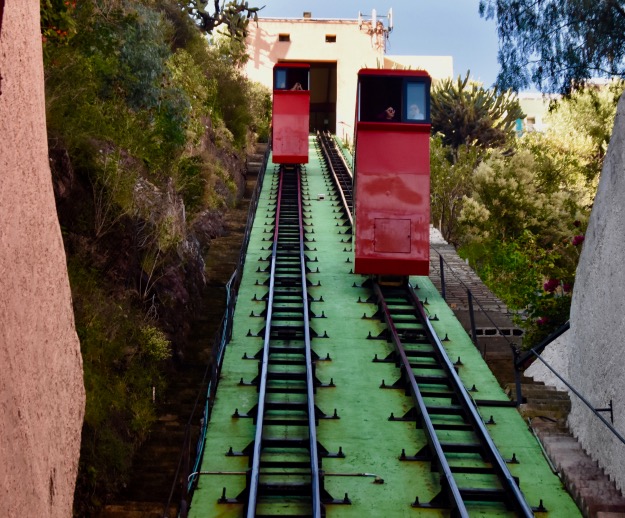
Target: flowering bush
[{"x": 57, "y": 22}]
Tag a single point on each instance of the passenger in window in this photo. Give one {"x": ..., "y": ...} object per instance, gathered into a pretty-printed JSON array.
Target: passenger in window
[
  {"x": 297, "y": 86},
  {"x": 414, "y": 112},
  {"x": 387, "y": 115}
]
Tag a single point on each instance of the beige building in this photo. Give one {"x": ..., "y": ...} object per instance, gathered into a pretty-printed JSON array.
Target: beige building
[
  {"x": 535, "y": 106},
  {"x": 336, "y": 50}
]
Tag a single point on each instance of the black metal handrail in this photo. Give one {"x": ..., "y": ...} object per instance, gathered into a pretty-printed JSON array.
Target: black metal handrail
[
  {"x": 470, "y": 295},
  {"x": 583, "y": 400},
  {"x": 521, "y": 361}
]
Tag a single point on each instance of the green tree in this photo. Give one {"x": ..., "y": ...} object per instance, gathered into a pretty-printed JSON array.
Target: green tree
[
  {"x": 451, "y": 180},
  {"x": 557, "y": 44},
  {"x": 520, "y": 236},
  {"x": 580, "y": 126},
  {"x": 56, "y": 20},
  {"x": 234, "y": 15},
  {"x": 466, "y": 113},
  {"x": 507, "y": 200},
  {"x": 146, "y": 119}
]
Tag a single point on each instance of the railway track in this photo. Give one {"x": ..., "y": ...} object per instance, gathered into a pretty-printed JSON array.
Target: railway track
[
  {"x": 459, "y": 447},
  {"x": 267, "y": 439},
  {"x": 285, "y": 475},
  {"x": 339, "y": 171}
]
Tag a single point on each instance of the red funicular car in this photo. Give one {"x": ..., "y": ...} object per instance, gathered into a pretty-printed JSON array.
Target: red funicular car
[
  {"x": 291, "y": 113},
  {"x": 392, "y": 173}
]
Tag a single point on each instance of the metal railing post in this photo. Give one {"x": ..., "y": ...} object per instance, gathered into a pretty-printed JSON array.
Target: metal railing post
[
  {"x": 442, "y": 266},
  {"x": 517, "y": 377},
  {"x": 472, "y": 317}
]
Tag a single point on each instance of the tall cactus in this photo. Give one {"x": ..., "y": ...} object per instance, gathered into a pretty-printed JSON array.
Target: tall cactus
[{"x": 466, "y": 113}]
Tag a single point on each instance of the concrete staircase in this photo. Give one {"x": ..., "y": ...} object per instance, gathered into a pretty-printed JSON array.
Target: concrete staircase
[{"x": 546, "y": 410}]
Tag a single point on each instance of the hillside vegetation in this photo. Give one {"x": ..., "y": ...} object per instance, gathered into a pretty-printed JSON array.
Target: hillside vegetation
[
  {"x": 149, "y": 120},
  {"x": 516, "y": 203}
]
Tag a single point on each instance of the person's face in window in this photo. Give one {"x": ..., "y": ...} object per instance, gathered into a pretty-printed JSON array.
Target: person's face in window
[{"x": 414, "y": 112}]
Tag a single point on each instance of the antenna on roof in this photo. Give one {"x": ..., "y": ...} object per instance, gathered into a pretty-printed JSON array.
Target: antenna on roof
[{"x": 375, "y": 28}]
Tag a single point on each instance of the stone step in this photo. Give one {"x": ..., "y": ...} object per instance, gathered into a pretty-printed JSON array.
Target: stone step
[
  {"x": 254, "y": 167},
  {"x": 554, "y": 411},
  {"x": 529, "y": 390}
]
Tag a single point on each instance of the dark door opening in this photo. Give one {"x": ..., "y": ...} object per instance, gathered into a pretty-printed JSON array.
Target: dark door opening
[{"x": 323, "y": 96}]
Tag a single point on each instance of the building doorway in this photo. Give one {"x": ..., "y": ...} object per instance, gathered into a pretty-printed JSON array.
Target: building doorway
[{"x": 323, "y": 96}]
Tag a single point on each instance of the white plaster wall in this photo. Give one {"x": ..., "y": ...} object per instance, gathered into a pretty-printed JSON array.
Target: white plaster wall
[
  {"x": 41, "y": 389},
  {"x": 597, "y": 323},
  {"x": 595, "y": 344},
  {"x": 557, "y": 357}
]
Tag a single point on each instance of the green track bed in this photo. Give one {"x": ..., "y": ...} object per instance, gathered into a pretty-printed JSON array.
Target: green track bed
[{"x": 371, "y": 443}]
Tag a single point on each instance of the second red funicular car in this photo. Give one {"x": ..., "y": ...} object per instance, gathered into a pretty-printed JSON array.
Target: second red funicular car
[
  {"x": 291, "y": 113},
  {"x": 392, "y": 173}
]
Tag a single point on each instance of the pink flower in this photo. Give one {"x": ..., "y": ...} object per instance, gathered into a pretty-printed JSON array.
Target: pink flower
[
  {"x": 578, "y": 240},
  {"x": 541, "y": 321},
  {"x": 567, "y": 287},
  {"x": 551, "y": 285}
]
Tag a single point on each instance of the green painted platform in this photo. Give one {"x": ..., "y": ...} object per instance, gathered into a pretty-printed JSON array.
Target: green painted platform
[{"x": 371, "y": 443}]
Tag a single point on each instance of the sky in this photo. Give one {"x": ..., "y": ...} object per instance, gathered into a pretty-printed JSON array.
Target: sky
[{"x": 420, "y": 27}]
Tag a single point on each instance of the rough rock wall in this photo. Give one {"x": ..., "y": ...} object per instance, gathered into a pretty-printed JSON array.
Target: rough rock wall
[
  {"x": 41, "y": 389},
  {"x": 595, "y": 345}
]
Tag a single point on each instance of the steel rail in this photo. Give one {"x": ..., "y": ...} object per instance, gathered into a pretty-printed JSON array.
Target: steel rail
[
  {"x": 310, "y": 387},
  {"x": 503, "y": 473},
  {"x": 348, "y": 206},
  {"x": 444, "y": 469},
  {"x": 262, "y": 391},
  {"x": 254, "y": 479},
  {"x": 347, "y": 175},
  {"x": 328, "y": 136}
]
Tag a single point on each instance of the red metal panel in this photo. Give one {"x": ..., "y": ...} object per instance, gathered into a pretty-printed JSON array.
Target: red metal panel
[
  {"x": 291, "y": 113},
  {"x": 392, "y": 199}
]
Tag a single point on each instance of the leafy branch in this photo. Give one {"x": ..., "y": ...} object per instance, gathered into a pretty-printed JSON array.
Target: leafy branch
[{"x": 234, "y": 15}]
